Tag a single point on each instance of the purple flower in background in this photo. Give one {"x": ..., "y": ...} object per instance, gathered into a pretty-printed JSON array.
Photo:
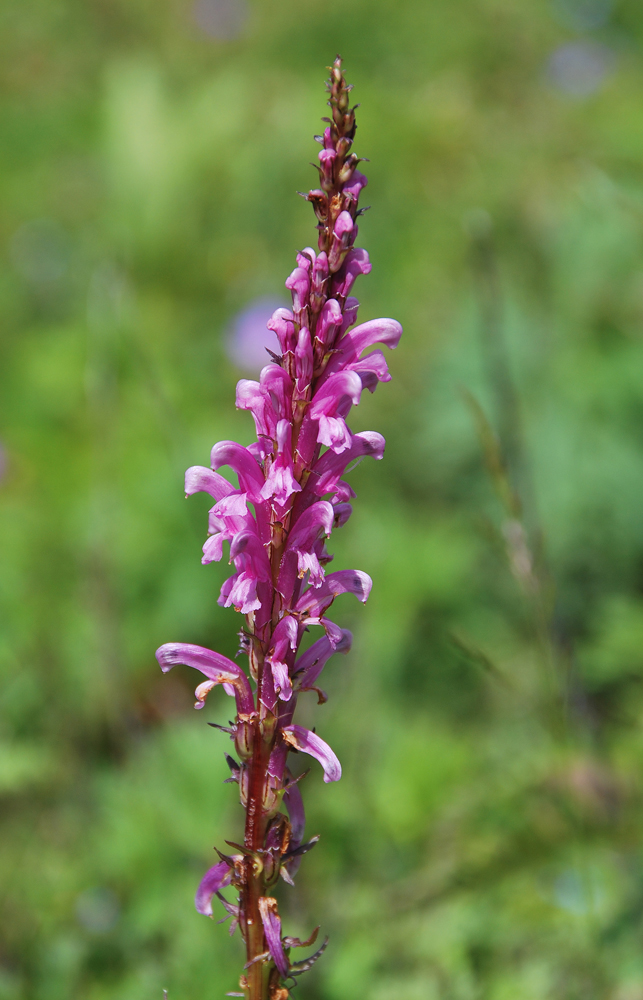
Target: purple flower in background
[
  {"x": 579, "y": 69},
  {"x": 248, "y": 336},
  {"x": 222, "y": 20},
  {"x": 290, "y": 496}
]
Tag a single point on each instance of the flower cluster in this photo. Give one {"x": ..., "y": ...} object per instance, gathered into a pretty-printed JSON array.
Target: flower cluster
[{"x": 291, "y": 494}]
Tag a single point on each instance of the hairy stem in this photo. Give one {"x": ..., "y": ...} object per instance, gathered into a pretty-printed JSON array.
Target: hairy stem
[{"x": 254, "y": 886}]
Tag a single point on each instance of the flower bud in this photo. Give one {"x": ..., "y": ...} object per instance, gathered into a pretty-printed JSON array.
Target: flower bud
[
  {"x": 244, "y": 739},
  {"x": 306, "y": 258},
  {"x": 327, "y": 159},
  {"x": 350, "y": 313},
  {"x": 319, "y": 201},
  {"x": 328, "y": 324},
  {"x": 348, "y": 169},
  {"x": 298, "y": 284},
  {"x": 303, "y": 361},
  {"x": 319, "y": 281},
  {"x": 281, "y": 322},
  {"x": 343, "y": 238}
]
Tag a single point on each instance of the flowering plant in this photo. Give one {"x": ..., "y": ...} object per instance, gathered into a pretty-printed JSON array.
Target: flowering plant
[{"x": 290, "y": 496}]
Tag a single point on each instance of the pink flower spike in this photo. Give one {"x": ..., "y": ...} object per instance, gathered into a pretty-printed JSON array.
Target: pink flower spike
[{"x": 287, "y": 494}]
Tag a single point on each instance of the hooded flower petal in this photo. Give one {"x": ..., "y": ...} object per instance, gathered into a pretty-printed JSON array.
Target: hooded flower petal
[
  {"x": 250, "y": 397},
  {"x": 241, "y": 593},
  {"x": 357, "y": 182},
  {"x": 310, "y": 665},
  {"x": 333, "y": 632},
  {"x": 371, "y": 369},
  {"x": 331, "y": 404},
  {"x": 249, "y": 588},
  {"x": 217, "y": 668},
  {"x": 300, "y": 557},
  {"x": 376, "y": 331},
  {"x": 354, "y": 342},
  {"x": 310, "y": 743},
  {"x": 280, "y": 482},
  {"x": 329, "y": 469},
  {"x": 357, "y": 262},
  {"x": 345, "y": 581},
  {"x": 341, "y": 384},
  {"x": 233, "y": 505},
  {"x": 277, "y": 384},
  {"x": 284, "y": 640},
  {"x": 213, "y": 546},
  {"x": 342, "y": 511},
  {"x": 306, "y": 258},
  {"x": 201, "y": 480},
  {"x": 226, "y": 519},
  {"x": 240, "y": 461},
  {"x": 216, "y": 878},
  {"x": 272, "y": 929},
  {"x": 248, "y": 553}
]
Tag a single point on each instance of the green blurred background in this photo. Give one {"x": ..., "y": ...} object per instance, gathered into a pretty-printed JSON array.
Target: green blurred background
[{"x": 485, "y": 842}]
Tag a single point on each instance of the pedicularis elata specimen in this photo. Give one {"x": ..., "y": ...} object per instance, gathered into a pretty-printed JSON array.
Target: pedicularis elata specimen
[{"x": 291, "y": 494}]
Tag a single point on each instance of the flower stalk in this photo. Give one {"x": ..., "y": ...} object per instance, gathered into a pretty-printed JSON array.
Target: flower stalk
[{"x": 290, "y": 496}]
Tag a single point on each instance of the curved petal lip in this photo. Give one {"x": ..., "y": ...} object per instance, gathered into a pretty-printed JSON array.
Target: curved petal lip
[{"x": 310, "y": 743}]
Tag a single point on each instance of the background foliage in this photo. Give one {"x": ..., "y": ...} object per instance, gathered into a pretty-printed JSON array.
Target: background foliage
[{"x": 485, "y": 842}]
